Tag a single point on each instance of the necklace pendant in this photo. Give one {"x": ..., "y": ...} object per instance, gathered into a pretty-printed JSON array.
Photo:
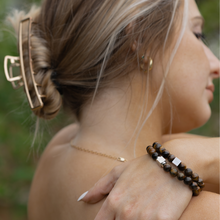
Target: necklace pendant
[{"x": 121, "y": 159}]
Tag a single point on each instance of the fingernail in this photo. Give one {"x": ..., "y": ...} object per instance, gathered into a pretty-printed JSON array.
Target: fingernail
[{"x": 82, "y": 196}]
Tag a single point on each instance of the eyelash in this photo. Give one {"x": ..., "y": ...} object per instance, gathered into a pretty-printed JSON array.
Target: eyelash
[{"x": 200, "y": 36}]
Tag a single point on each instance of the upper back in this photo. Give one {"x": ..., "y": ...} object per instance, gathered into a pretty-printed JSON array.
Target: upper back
[{"x": 62, "y": 175}]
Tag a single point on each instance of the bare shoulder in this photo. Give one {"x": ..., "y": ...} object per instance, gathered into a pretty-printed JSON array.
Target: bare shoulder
[
  {"x": 62, "y": 175},
  {"x": 46, "y": 178},
  {"x": 64, "y": 135},
  {"x": 203, "y": 207}
]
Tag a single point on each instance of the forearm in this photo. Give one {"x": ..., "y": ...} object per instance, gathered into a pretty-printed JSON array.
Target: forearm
[
  {"x": 169, "y": 137},
  {"x": 201, "y": 155},
  {"x": 204, "y": 206},
  {"x": 212, "y": 171}
]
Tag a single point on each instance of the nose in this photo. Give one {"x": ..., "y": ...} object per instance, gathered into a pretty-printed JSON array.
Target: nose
[{"x": 214, "y": 63}]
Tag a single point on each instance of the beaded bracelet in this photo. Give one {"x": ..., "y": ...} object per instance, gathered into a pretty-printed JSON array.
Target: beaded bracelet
[{"x": 159, "y": 153}]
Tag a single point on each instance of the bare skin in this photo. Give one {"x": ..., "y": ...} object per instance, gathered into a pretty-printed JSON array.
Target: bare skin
[
  {"x": 59, "y": 172},
  {"x": 64, "y": 173}
]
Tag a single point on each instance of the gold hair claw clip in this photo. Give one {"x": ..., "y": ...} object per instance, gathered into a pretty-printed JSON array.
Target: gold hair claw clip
[
  {"x": 17, "y": 81},
  {"x": 14, "y": 62}
]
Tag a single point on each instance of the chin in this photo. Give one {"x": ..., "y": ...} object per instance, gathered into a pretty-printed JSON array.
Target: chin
[
  {"x": 194, "y": 121},
  {"x": 203, "y": 120}
]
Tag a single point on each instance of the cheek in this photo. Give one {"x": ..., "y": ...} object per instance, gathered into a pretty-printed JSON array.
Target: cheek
[
  {"x": 190, "y": 67},
  {"x": 186, "y": 83}
]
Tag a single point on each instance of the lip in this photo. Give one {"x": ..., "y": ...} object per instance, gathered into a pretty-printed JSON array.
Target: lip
[{"x": 211, "y": 88}]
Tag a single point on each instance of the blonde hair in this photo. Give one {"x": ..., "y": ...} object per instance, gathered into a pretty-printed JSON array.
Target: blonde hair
[{"x": 87, "y": 44}]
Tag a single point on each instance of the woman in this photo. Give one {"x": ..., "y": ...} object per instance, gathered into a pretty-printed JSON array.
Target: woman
[{"x": 131, "y": 72}]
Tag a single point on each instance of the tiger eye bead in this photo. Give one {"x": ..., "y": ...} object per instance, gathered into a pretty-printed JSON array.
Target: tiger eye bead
[
  {"x": 148, "y": 147},
  {"x": 188, "y": 180},
  {"x": 153, "y": 145},
  {"x": 156, "y": 146},
  {"x": 196, "y": 191},
  {"x": 151, "y": 150},
  {"x": 161, "y": 150},
  {"x": 182, "y": 166},
  {"x": 167, "y": 167},
  {"x": 201, "y": 185},
  {"x": 188, "y": 172},
  {"x": 155, "y": 155},
  {"x": 193, "y": 185},
  {"x": 195, "y": 177},
  {"x": 166, "y": 154},
  {"x": 200, "y": 181},
  {"x": 181, "y": 176},
  {"x": 171, "y": 157},
  {"x": 173, "y": 172}
]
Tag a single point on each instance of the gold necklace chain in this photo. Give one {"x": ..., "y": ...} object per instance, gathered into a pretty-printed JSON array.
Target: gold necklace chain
[{"x": 120, "y": 159}]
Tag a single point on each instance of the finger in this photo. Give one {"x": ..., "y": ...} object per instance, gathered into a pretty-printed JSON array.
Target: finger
[
  {"x": 106, "y": 212},
  {"x": 103, "y": 186}
]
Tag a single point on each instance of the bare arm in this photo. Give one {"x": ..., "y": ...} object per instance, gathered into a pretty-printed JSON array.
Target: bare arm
[
  {"x": 205, "y": 206},
  {"x": 199, "y": 154},
  {"x": 207, "y": 203},
  {"x": 169, "y": 137}
]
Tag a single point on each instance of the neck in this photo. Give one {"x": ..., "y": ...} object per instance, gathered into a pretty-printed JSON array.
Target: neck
[{"x": 110, "y": 124}]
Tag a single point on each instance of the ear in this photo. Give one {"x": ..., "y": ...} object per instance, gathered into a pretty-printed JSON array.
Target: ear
[
  {"x": 128, "y": 30},
  {"x": 134, "y": 46},
  {"x": 141, "y": 52}
]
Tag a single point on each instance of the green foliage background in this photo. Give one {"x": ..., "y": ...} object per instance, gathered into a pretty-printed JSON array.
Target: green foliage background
[{"x": 17, "y": 124}]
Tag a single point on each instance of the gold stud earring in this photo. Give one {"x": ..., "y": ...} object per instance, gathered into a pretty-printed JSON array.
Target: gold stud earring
[
  {"x": 149, "y": 61},
  {"x": 142, "y": 63}
]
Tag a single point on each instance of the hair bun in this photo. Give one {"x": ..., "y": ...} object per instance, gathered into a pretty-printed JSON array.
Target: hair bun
[
  {"x": 56, "y": 83},
  {"x": 53, "y": 100}
]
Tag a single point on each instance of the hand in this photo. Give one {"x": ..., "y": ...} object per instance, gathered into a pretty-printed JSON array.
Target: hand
[{"x": 141, "y": 190}]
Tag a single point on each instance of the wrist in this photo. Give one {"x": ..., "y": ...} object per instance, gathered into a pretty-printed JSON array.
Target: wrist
[
  {"x": 181, "y": 171},
  {"x": 191, "y": 156}
]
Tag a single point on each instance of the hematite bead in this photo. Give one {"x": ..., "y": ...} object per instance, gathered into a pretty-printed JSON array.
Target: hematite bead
[
  {"x": 181, "y": 176},
  {"x": 188, "y": 172},
  {"x": 151, "y": 150},
  {"x": 176, "y": 161},
  {"x": 173, "y": 172},
  {"x": 195, "y": 177},
  {"x": 196, "y": 191},
  {"x": 193, "y": 185},
  {"x": 167, "y": 167},
  {"x": 155, "y": 155},
  {"x": 182, "y": 166},
  {"x": 171, "y": 157},
  {"x": 161, "y": 161},
  {"x": 161, "y": 150},
  {"x": 188, "y": 180},
  {"x": 166, "y": 154}
]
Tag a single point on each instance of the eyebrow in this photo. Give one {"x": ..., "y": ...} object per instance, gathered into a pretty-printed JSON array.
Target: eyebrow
[{"x": 199, "y": 18}]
